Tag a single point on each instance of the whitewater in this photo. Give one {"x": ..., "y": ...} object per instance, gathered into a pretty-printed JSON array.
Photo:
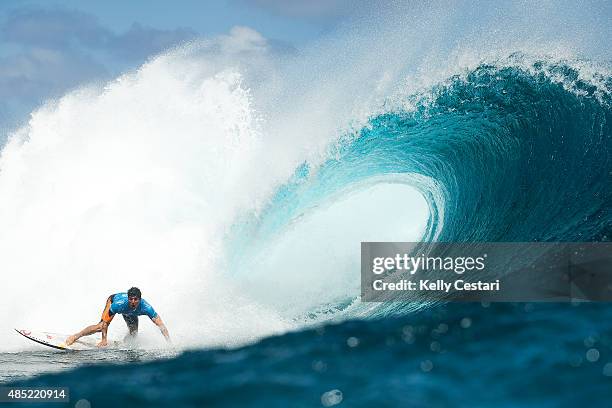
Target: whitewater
[{"x": 233, "y": 182}]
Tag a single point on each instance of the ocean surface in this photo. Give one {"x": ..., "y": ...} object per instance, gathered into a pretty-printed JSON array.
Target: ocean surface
[
  {"x": 506, "y": 355},
  {"x": 235, "y": 191},
  {"x": 543, "y": 131}
]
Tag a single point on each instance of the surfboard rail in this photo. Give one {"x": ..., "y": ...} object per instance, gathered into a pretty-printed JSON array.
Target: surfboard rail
[
  {"x": 57, "y": 341},
  {"x": 29, "y": 335}
]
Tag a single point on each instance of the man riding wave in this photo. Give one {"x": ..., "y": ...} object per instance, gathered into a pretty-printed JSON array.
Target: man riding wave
[{"x": 130, "y": 305}]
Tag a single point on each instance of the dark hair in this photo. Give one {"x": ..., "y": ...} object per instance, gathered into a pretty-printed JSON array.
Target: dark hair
[{"x": 134, "y": 292}]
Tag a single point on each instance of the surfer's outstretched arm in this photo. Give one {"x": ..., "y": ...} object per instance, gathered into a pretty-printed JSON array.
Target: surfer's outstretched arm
[{"x": 158, "y": 321}]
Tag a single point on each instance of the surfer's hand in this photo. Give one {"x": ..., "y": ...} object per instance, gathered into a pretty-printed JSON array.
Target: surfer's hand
[{"x": 103, "y": 343}]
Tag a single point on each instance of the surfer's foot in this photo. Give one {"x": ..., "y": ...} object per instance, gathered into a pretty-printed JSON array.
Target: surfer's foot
[{"x": 70, "y": 340}]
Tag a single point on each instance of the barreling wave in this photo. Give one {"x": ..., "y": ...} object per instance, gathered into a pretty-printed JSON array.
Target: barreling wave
[{"x": 517, "y": 150}]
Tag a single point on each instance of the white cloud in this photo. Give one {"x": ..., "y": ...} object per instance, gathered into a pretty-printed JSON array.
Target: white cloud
[{"x": 57, "y": 50}]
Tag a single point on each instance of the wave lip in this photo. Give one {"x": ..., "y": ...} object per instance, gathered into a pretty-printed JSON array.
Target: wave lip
[{"x": 519, "y": 150}]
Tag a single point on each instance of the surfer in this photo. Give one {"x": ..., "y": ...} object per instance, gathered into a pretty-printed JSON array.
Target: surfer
[{"x": 130, "y": 305}]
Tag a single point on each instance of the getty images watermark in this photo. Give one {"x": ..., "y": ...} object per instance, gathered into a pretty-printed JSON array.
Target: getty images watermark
[{"x": 492, "y": 272}]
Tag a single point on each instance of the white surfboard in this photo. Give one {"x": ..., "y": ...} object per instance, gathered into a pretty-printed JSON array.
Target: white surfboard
[{"x": 57, "y": 341}]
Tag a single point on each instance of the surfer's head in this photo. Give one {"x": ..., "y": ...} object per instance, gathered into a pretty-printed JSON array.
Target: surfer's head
[{"x": 134, "y": 296}]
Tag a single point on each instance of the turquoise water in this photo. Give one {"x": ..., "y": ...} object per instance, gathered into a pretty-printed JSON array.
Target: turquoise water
[{"x": 517, "y": 150}]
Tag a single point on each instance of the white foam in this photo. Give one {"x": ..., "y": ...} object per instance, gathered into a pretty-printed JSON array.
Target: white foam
[{"x": 136, "y": 182}]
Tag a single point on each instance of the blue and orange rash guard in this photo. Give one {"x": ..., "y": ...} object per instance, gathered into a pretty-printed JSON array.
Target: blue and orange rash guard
[{"x": 118, "y": 303}]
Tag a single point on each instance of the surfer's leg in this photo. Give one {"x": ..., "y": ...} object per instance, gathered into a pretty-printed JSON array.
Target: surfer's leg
[
  {"x": 94, "y": 328},
  {"x": 132, "y": 324}
]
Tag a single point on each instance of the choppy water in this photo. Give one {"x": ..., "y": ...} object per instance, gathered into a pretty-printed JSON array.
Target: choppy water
[
  {"x": 231, "y": 188},
  {"x": 21, "y": 365},
  {"x": 455, "y": 355}
]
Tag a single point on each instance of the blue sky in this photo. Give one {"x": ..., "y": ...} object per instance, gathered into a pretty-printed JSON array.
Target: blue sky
[{"x": 49, "y": 47}]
